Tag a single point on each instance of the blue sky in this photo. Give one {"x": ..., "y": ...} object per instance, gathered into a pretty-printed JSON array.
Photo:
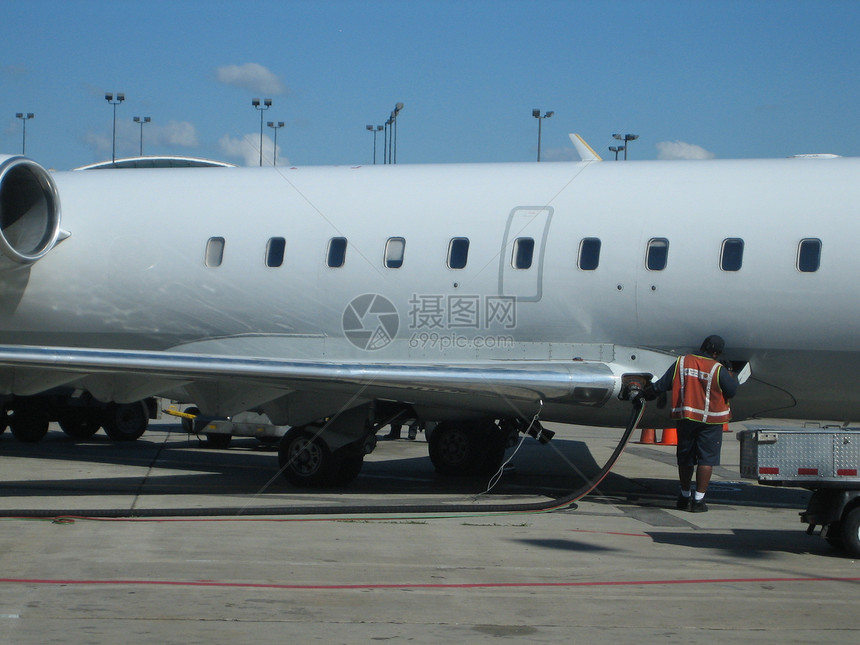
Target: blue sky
[{"x": 694, "y": 79}]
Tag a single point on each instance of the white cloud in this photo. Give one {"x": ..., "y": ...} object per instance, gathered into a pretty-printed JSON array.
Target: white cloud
[
  {"x": 98, "y": 143},
  {"x": 174, "y": 133},
  {"x": 248, "y": 149},
  {"x": 682, "y": 150},
  {"x": 251, "y": 76}
]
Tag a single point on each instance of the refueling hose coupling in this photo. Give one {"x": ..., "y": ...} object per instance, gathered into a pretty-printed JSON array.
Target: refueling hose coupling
[{"x": 633, "y": 386}]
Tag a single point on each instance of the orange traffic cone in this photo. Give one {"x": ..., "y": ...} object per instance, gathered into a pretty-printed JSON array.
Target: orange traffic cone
[
  {"x": 670, "y": 437},
  {"x": 726, "y": 427},
  {"x": 648, "y": 436}
]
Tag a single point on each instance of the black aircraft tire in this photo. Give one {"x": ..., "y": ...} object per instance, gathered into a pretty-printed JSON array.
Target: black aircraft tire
[
  {"x": 455, "y": 448},
  {"x": 305, "y": 459},
  {"x": 79, "y": 423},
  {"x": 125, "y": 421},
  {"x": 29, "y": 426},
  {"x": 850, "y": 530}
]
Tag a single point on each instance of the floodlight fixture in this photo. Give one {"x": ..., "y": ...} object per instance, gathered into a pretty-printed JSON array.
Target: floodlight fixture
[
  {"x": 536, "y": 114},
  {"x": 267, "y": 103},
  {"x": 626, "y": 138},
  {"x": 24, "y": 116},
  {"x": 397, "y": 107},
  {"x": 141, "y": 120},
  {"x": 374, "y": 129},
  {"x": 109, "y": 97},
  {"x": 275, "y": 126}
]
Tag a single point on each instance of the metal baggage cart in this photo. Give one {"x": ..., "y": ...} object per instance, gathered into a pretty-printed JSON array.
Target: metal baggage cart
[{"x": 823, "y": 460}]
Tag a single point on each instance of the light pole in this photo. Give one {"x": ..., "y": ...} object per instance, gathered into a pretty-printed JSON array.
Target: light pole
[
  {"x": 389, "y": 147},
  {"x": 120, "y": 97},
  {"x": 536, "y": 114},
  {"x": 374, "y": 130},
  {"x": 397, "y": 108},
  {"x": 267, "y": 103},
  {"x": 24, "y": 116},
  {"x": 616, "y": 150},
  {"x": 626, "y": 138},
  {"x": 386, "y": 148},
  {"x": 275, "y": 127},
  {"x": 141, "y": 120}
]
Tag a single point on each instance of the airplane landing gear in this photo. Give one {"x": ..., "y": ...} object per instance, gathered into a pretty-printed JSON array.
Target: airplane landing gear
[
  {"x": 307, "y": 461},
  {"x": 79, "y": 423},
  {"x": 467, "y": 447},
  {"x": 28, "y": 424},
  {"x": 304, "y": 458},
  {"x": 125, "y": 422},
  {"x": 79, "y": 415}
]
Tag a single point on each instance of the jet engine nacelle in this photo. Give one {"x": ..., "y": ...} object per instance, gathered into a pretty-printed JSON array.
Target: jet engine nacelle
[{"x": 29, "y": 210}]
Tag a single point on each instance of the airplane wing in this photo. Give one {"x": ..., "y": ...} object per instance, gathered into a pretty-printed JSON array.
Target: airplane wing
[{"x": 229, "y": 384}]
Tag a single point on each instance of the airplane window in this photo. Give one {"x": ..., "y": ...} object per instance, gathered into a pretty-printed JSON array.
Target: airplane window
[
  {"x": 524, "y": 248},
  {"x": 394, "y": 252},
  {"x": 275, "y": 252},
  {"x": 214, "y": 251},
  {"x": 658, "y": 254},
  {"x": 336, "y": 252},
  {"x": 458, "y": 253},
  {"x": 589, "y": 254},
  {"x": 732, "y": 256},
  {"x": 809, "y": 255}
]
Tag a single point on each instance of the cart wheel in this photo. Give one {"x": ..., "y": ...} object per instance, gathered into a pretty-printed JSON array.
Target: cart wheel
[
  {"x": 191, "y": 426},
  {"x": 851, "y": 532}
]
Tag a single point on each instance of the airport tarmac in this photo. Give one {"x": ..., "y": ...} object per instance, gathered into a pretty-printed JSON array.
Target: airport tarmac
[{"x": 621, "y": 566}]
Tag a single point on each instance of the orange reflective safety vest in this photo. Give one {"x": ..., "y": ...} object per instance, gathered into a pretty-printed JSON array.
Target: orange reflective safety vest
[{"x": 696, "y": 392}]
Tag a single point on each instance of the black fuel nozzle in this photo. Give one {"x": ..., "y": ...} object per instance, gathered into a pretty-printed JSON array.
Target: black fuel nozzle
[{"x": 633, "y": 387}]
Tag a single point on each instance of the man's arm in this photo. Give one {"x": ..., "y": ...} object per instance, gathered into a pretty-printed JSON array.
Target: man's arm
[
  {"x": 728, "y": 382},
  {"x": 665, "y": 382}
]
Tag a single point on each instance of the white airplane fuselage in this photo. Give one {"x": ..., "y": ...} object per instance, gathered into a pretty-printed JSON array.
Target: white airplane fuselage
[{"x": 133, "y": 274}]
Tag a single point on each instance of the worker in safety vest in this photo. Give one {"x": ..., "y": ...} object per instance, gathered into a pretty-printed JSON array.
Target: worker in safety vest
[{"x": 701, "y": 389}]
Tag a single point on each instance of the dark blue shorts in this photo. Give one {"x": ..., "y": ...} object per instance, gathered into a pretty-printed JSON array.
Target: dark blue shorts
[{"x": 699, "y": 443}]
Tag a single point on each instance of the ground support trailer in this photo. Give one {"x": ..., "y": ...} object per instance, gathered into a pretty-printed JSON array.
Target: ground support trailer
[
  {"x": 219, "y": 432},
  {"x": 823, "y": 460}
]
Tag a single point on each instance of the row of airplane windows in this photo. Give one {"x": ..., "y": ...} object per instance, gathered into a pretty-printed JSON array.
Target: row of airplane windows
[{"x": 522, "y": 256}]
